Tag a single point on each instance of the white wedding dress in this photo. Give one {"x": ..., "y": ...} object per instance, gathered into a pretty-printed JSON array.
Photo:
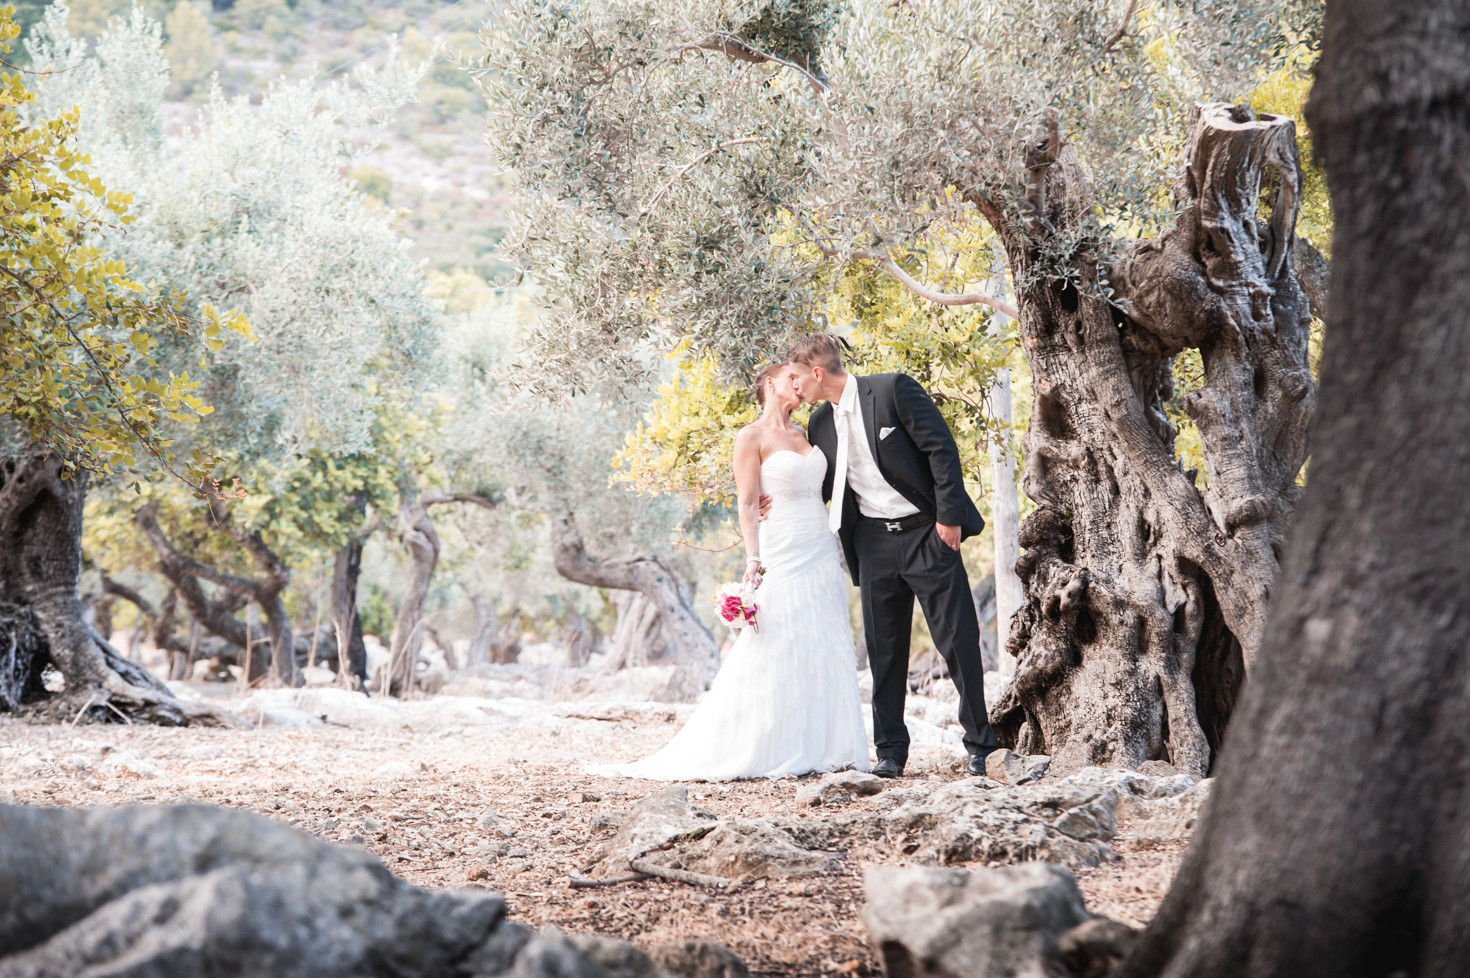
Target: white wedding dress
[{"x": 786, "y": 698}]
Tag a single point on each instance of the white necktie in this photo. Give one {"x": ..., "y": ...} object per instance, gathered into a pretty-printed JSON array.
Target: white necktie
[{"x": 839, "y": 471}]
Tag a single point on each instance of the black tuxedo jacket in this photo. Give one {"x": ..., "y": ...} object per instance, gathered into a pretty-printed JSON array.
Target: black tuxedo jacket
[{"x": 918, "y": 458}]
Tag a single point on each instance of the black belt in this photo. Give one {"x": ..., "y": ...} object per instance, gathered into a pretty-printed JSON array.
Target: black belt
[{"x": 910, "y": 522}]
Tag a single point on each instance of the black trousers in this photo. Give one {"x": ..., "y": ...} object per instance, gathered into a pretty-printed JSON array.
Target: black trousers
[{"x": 896, "y": 567}]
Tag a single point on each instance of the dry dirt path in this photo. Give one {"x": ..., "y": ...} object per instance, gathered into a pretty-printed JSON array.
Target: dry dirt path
[{"x": 411, "y": 782}]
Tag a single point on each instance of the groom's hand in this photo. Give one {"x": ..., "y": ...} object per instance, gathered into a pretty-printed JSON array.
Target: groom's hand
[
  {"x": 949, "y": 534},
  {"x": 765, "y": 505}
]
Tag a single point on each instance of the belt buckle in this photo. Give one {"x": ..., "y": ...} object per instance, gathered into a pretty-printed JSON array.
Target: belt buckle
[{"x": 893, "y": 526}]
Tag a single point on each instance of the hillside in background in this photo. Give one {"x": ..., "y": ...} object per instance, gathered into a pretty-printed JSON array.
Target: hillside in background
[{"x": 431, "y": 169}]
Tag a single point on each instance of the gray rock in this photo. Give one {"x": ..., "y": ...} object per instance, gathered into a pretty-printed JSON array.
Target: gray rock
[
  {"x": 1164, "y": 819},
  {"x": 698, "y": 959},
  {"x": 952, "y": 923},
  {"x": 1008, "y": 767},
  {"x": 654, "y": 823},
  {"x": 188, "y": 890},
  {"x": 839, "y": 787},
  {"x": 496, "y": 954},
  {"x": 976, "y": 820},
  {"x": 745, "y": 850},
  {"x": 615, "y": 959},
  {"x": 551, "y": 954},
  {"x": 1096, "y": 948}
]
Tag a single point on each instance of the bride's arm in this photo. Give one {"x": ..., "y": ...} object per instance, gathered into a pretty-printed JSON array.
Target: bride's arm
[{"x": 748, "y": 494}]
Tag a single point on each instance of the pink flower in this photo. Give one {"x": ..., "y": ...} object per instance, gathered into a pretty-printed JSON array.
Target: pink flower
[{"x": 736, "y": 605}]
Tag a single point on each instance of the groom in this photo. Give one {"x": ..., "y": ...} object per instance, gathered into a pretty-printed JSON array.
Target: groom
[{"x": 900, "y": 508}]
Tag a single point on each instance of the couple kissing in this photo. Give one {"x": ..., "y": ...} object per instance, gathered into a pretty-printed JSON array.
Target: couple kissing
[{"x": 878, "y": 470}]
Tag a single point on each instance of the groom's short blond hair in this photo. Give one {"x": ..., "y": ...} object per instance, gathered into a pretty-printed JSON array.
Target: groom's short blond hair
[{"x": 819, "y": 350}]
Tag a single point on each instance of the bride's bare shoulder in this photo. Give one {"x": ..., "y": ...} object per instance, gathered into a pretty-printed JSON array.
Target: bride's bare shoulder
[{"x": 749, "y": 438}]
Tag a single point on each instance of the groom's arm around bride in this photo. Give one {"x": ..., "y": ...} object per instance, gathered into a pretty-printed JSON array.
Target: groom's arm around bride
[{"x": 900, "y": 509}]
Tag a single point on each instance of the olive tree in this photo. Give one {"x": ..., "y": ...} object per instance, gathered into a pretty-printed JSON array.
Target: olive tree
[
  {"x": 83, "y": 393},
  {"x": 1334, "y": 843},
  {"x": 249, "y": 206},
  {"x": 688, "y": 170},
  {"x": 550, "y": 465}
]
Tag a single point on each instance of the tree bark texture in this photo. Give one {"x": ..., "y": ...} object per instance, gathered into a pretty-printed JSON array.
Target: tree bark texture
[
  {"x": 698, "y": 656},
  {"x": 416, "y": 530},
  {"x": 346, "y": 623},
  {"x": 638, "y": 638},
  {"x": 41, "y": 614},
  {"x": 495, "y": 641},
  {"x": 1335, "y": 840},
  {"x": 1146, "y": 597}
]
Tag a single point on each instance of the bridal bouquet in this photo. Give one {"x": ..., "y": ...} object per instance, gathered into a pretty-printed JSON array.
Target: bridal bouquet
[{"x": 736, "y": 604}]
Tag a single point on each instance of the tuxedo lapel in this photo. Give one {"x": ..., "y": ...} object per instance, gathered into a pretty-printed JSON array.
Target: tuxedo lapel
[{"x": 870, "y": 427}]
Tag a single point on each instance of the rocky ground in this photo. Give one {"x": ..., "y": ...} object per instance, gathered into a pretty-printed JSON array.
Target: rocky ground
[{"x": 483, "y": 786}]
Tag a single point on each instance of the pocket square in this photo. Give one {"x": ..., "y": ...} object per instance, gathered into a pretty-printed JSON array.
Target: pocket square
[{"x": 884, "y": 433}]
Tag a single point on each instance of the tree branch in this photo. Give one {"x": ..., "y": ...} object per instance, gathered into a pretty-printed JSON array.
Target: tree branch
[
  {"x": 691, "y": 165},
  {"x": 736, "y": 47},
  {"x": 146, "y": 520},
  {"x": 436, "y": 497},
  {"x": 885, "y": 261},
  {"x": 1118, "y": 34}
]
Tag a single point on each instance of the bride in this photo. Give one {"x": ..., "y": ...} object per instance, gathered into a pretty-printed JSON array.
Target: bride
[{"x": 786, "y": 697}]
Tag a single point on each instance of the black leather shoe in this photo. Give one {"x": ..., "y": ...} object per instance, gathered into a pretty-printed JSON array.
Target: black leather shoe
[
  {"x": 977, "y": 764},
  {"x": 887, "y": 767}
]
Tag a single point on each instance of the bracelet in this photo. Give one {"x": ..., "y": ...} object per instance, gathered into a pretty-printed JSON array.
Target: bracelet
[{"x": 753, "y": 560}]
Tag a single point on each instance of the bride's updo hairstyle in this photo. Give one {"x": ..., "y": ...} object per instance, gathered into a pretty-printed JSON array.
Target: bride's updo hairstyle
[{"x": 767, "y": 372}]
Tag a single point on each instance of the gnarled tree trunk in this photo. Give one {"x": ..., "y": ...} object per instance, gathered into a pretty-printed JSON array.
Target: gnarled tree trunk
[
  {"x": 1335, "y": 841},
  {"x": 258, "y": 646},
  {"x": 698, "y": 656},
  {"x": 1146, "y": 597},
  {"x": 346, "y": 622},
  {"x": 41, "y": 615},
  {"x": 416, "y": 530},
  {"x": 638, "y": 638}
]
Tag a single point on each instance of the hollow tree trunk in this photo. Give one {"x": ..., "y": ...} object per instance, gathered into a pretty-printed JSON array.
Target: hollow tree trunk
[
  {"x": 41, "y": 617},
  {"x": 346, "y": 622},
  {"x": 1146, "y": 597},
  {"x": 1335, "y": 841},
  {"x": 698, "y": 656}
]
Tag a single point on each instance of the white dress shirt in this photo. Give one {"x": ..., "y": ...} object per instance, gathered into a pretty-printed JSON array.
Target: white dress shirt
[{"x": 875, "y": 497}]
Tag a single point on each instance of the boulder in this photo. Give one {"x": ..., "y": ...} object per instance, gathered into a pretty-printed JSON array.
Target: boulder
[
  {"x": 839, "y": 787},
  {"x": 745, "y": 850},
  {"x": 952, "y": 923},
  {"x": 613, "y": 958},
  {"x": 187, "y": 890},
  {"x": 1069, "y": 821},
  {"x": 1008, "y": 767},
  {"x": 190, "y": 889},
  {"x": 1165, "y": 818},
  {"x": 698, "y": 959},
  {"x": 654, "y": 823},
  {"x": 977, "y": 820}
]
